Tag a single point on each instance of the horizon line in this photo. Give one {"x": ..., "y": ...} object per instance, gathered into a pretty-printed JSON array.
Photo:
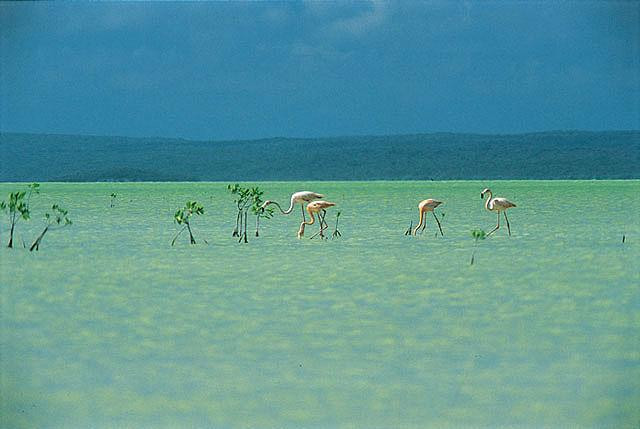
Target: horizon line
[{"x": 432, "y": 133}]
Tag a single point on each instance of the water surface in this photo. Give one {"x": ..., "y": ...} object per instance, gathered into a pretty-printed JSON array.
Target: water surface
[{"x": 109, "y": 326}]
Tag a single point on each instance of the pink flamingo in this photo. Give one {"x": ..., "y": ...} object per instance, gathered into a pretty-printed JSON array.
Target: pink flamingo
[
  {"x": 297, "y": 197},
  {"x": 498, "y": 205},
  {"x": 319, "y": 208},
  {"x": 427, "y": 206}
]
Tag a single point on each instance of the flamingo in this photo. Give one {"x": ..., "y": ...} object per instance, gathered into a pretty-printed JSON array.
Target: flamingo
[
  {"x": 297, "y": 197},
  {"x": 320, "y": 208},
  {"x": 498, "y": 205},
  {"x": 427, "y": 206}
]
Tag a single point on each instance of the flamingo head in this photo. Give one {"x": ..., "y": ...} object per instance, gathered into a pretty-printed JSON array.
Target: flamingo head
[
  {"x": 486, "y": 190},
  {"x": 265, "y": 204}
]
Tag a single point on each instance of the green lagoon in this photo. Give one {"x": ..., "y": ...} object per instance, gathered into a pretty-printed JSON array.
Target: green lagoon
[{"x": 109, "y": 326}]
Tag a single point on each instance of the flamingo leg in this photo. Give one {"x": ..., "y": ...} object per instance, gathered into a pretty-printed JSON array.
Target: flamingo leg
[
  {"x": 326, "y": 225},
  {"x": 438, "y": 222},
  {"x": 507, "y": 219},
  {"x": 321, "y": 217},
  {"x": 302, "y": 207},
  {"x": 408, "y": 231},
  {"x": 320, "y": 224},
  {"x": 323, "y": 225},
  {"x": 424, "y": 225},
  {"x": 497, "y": 226},
  {"x": 317, "y": 233}
]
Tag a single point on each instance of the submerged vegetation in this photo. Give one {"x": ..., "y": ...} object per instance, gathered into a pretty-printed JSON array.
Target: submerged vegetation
[
  {"x": 182, "y": 217},
  {"x": 55, "y": 219}
]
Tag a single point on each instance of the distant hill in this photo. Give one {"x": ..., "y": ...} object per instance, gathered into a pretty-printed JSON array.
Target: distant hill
[{"x": 547, "y": 155}]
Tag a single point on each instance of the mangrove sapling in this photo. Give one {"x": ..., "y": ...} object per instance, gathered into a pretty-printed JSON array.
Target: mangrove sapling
[
  {"x": 257, "y": 209},
  {"x": 336, "y": 233},
  {"x": 477, "y": 234},
  {"x": 34, "y": 188},
  {"x": 243, "y": 233},
  {"x": 245, "y": 199},
  {"x": 112, "y": 199},
  {"x": 55, "y": 219},
  {"x": 16, "y": 208},
  {"x": 242, "y": 201},
  {"x": 183, "y": 217}
]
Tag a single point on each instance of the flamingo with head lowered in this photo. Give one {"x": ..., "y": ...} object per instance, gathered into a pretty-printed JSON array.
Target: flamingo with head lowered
[
  {"x": 497, "y": 205},
  {"x": 319, "y": 208},
  {"x": 297, "y": 197},
  {"x": 427, "y": 206}
]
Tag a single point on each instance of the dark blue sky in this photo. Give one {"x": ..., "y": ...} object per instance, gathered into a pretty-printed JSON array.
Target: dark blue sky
[{"x": 251, "y": 70}]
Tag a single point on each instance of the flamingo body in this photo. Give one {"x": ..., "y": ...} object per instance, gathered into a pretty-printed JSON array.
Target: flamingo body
[
  {"x": 305, "y": 196},
  {"x": 428, "y": 205},
  {"x": 297, "y": 197},
  {"x": 499, "y": 204},
  {"x": 316, "y": 206}
]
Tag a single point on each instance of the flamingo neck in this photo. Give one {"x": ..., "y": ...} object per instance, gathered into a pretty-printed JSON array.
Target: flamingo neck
[
  {"x": 415, "y": 230},
  {"x": 303, "y": 224},
  {"x": 486, "y": 203},
  {"x": 289, "y": 210},
  {"x": 313, "y": 219}
]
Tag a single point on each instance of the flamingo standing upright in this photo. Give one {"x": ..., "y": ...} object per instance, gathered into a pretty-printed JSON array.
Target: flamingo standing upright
[
  {"x": 319, "y": 208},
  {"x": 498, "y": 205},
  {"x": 427, "y": 206},
  {"x": 297, "y": 197}
]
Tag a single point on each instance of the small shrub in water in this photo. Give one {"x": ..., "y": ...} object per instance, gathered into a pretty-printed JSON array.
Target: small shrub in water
[
  {"x": 16, "y": 208},
  {"x": 257, "y": 209},
  {"x": 34, "y": 188},
  {"x": 55, "y": 219},
  {"x": 336, "y": 233},
  {"x": 183, "y": 217},
  {"x": 242, "y": 200},
  {"x": 477, "y": 234},
  {"x": 245, "y": 199}
]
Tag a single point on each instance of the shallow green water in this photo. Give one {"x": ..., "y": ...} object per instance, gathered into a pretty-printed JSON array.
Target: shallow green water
[{"x": 108, "y": 326}]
